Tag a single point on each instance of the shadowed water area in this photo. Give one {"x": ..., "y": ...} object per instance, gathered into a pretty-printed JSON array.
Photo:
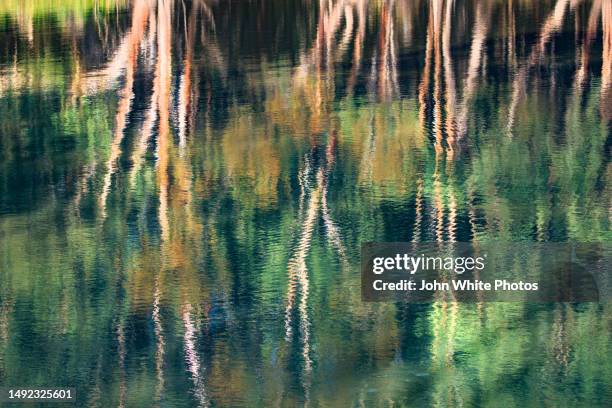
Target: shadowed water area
[{"x": 185, "y": 186}]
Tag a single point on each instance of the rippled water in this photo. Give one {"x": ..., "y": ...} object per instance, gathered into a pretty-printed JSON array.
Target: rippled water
[{"x": 185, "y": 186}]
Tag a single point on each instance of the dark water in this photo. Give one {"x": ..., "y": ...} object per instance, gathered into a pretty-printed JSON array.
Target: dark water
[{"x": 185, "y": 185}]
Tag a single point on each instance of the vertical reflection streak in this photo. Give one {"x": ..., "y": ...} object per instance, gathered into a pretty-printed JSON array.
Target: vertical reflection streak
[
  {"x": 549, "y": 28},
  {"x": 299, "y": 271},
  {"x": 303, "y": 177},
  {"x": 159, "y": 338},
  {"x": 452, "y": 212},
  {"x": 387, "y": 72},
  {"x": 333, "y": 232},
  {"x": 424, "y": 85},
  {"x": 591, "y": 32},
  {"x": 418, "y": 217},
  {"x": 147, "y": 128},
  {"x": 185, "y": 83},
  {"x": 511, "y": 41},
  {"x": 347, "y": 35},
  {"x": 358, "y": 47},
  {"x": 437, "y": 120},
  {"x": 164, "y": 22},
  {"x": 476, "y": 59},
  {"x": 449, "y": 76},
  {"x": 139, "y": 19},
  {"x": 192, "y": 358}
]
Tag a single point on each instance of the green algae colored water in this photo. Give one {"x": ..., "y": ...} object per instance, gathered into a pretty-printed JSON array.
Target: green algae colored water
[{"x": 185, "y": 186}]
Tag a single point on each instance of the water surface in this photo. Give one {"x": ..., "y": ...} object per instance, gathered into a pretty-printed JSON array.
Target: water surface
[{"x": 185, "y": 186}]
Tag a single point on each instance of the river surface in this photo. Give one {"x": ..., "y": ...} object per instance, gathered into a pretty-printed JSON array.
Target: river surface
[{"x": 185, "y": 187}]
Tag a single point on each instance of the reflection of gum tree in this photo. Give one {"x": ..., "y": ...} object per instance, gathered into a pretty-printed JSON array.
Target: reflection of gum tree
[
  {"x": 180, "y": 231},
  {"x": 448, "y": 123},
  {"x": 133, "y": 40},
  {"x": 561, "y": 343},
  {"x": 549, "y": 28},
  {"x": 386, "y": 64},
  {"x": 443, "y": 325},
  {"x": 315, "y": 81},
  {"x": 577, "y": 116},
  {"x": 585, "y": 51},
  {"x": 435, "y": 110},
  {"x": 132, "y": 44},
  {"x": 584, "y": 140},
  {"x": 331, "y": 44}
]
